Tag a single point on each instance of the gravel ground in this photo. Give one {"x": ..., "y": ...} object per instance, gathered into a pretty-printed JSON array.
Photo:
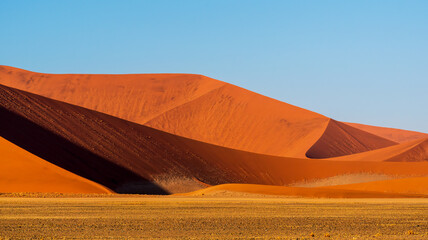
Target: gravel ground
[{"x": 176, "y": 217}]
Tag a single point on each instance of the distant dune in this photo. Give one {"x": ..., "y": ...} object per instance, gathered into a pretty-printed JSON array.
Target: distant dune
[
  {"x": 413, "y": 151},
  {"x": 396, "y": 135},
  {"x": 340, "y": 139},
  {"x": 171, "y": 133}
]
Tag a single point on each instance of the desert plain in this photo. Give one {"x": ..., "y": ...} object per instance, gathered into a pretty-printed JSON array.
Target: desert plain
[
  {"x": 230, "y": 216},
  {"x": 185, "y": 156}
]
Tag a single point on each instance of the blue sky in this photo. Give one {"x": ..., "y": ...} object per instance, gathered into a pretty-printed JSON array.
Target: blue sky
[{"x": 359, "y": 61}]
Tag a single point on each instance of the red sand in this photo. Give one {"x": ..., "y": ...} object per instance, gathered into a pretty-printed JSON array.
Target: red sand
[{"x": 22, "y": 171}]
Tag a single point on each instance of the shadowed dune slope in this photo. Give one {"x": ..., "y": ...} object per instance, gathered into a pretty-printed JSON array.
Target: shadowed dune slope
[
  {"x": 340, "y": 139},
  {"x": 413, "y": 151},
  {"x": 406, "y": 185},
  {"x": 238, "y": 189},
  {"x": 396, "y": 135},
  {"x": 200, "y": 108},
  {"x": 128, "y": 157},
  {"x": 21, "y": 171}
]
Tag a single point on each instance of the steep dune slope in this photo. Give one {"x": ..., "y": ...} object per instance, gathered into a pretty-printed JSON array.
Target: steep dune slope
[
  {"x": 200, "y": 108},
  {"x": 396, "y": 135},
  {"x": 340, "y": 139},
  {"x": 21, "y": 171},
  {"x": 128, "y": 157}
]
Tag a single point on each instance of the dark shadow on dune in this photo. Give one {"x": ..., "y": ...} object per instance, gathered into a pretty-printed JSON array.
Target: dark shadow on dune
[{"x": 65, "y": 154}]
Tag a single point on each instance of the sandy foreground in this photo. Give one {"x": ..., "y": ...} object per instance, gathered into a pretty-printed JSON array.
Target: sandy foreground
[{"x": 213, "y": 217}]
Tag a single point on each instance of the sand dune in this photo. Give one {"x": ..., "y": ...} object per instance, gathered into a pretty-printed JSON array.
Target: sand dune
[
  {"x": 239, "y": 189},
  {"x": 22, "y": 171},
  {"x": 129, "y": 157},
  {"x": 200, "y": 108},
  {"x": 396, "y": 135},
  {"x": 168, "y": 133}
]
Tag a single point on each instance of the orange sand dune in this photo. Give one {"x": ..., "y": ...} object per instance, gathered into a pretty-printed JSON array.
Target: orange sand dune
[
  {"x": 406, "y": 186},
  {"x": 200, "y": 108},
  {"x": 224, "y": 189},
  {"x": 128, "y": 157},
  {"x": 340, "y": 139},
  {"x": 21, "y": 171},
  {"x": 396, "y": 135},
  {"x": 413, "y": 151}
]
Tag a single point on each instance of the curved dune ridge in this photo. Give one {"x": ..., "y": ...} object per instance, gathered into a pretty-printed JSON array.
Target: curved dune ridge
[
  {"x": 200, "y": 108},
  {"x": 413, "y": 151},
  {"x": 22, "y": 171},
  {"x": 340, "y": 139},
  {"x": 396, "y": 135},
  {"x": 121, "y": 138}
]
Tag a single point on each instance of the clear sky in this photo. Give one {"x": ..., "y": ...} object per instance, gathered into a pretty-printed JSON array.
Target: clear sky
[{"x": 359, "y": 61}]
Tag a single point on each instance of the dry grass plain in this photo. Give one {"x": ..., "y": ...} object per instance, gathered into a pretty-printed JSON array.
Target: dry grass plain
[{"x": 244, "y": 217}]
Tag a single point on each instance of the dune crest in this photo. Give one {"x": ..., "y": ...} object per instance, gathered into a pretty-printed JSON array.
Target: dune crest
[
  {"x": 393, "y": 134},
  {"x": 340, "y": 139}
]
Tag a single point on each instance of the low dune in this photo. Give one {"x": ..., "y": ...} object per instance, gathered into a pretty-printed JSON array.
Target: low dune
[
  {"x": 244, "y": 189},
  {"x": 21, "y": 171},
  {"x": 405, "y": 186},
  {"x": 393, "y": 134},
  {"x": 343, "y": 179}
]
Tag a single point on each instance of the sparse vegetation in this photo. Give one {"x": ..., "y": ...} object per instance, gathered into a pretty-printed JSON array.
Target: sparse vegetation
[{"x": 143, "y": 217}]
